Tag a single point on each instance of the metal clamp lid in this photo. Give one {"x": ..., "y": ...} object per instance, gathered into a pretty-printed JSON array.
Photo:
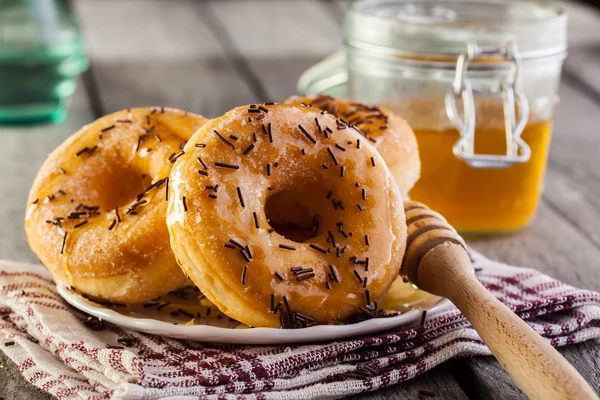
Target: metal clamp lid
[{"x": 517, "y": 151}]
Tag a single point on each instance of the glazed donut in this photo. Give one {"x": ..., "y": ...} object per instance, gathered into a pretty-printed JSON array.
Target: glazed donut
[
  {"x": 237, "y": 168},
  {"x": 390, "y": 134},
  {"x": 96, "y": 214}
]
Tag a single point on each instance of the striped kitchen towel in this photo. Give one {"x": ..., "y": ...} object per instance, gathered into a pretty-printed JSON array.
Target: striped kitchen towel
[{"x": 57, "y": 350}]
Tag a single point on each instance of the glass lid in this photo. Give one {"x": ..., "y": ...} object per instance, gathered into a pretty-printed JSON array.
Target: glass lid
[{"x": 400, "y": 27}]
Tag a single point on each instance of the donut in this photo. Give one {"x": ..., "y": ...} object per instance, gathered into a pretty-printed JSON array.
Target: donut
[
  {"x": 340, "y": 251},
  {"x": 96, "y": 214},
  {"x": 390, "y": 134}
]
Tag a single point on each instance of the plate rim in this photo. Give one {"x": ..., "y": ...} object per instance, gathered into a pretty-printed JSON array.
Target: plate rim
[{"x": 258, "y": 336}]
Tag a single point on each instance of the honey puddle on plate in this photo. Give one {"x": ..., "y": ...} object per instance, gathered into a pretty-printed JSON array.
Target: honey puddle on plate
[{"x": 188, "y": 306}]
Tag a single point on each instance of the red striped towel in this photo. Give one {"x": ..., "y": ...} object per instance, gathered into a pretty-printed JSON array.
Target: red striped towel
[{"x": 57, "y": 352}]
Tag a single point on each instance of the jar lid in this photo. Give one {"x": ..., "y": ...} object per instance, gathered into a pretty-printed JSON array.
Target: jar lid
[{"x": 444, "y": 27}]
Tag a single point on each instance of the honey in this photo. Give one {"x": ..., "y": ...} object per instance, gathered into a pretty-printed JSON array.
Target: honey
[
  {"x": 477, "y": 200},
  {"x": 482, "y": 200}
]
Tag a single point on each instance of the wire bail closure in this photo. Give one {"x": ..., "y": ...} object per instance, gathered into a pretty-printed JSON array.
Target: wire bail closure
[{"x": 517, "y": 151}]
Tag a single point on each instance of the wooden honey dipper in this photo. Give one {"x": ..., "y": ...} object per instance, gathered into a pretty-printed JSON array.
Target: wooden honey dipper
[{"x": 436, "y": 261}]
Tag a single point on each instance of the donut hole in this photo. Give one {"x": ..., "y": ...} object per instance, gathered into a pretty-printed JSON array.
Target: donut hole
[
  {"x": 120, "y": 184},
  {"x": 289, "y": 216}
]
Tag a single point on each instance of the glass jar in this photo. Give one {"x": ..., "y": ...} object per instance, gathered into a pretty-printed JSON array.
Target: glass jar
[
  {"x": 41, "y": 56},
  {"x": 478, "y": 83}
]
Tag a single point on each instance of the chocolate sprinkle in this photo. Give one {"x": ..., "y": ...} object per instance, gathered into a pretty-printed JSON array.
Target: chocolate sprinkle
[
  {"x": 236, "y": 244},
  {"x": 62, "y": 249},
  {"x": 227, "y": 142},
  {"x": 108, "y": 128},
  {"x": 244, "y": 274},
  {"x": 360, "y": 280},
  {"x": 342, "y": 171},
  {"x": 112, "y": 225},
  {"x": 361, "y": 207},
  {"x": 317, "y": 248},
  {"x": 333, "y": 241},
  {"x": 184, "y": 204},
  {"x": 368, "y": 296},
  {"x": 212, "y": 196},
  {"x": 248, "y": 149},
  {"x": 117, "y": 214},
  {"x": 340, "y": 147},
  {"x": 329, "y": 193},
  {"x": 202, "y": 163},
  {"x": 334, "y": 273},
  {"x": 167, "y": 189},
  {"x": 327, "y": 285},
  {"x": 233, "y": 137},
  {"x": 286, "y": 247},
  {"x": 278, "y": 276},
  {"x": 303, "y": 277},
  {"x": 272, "y": 302},
  {"x": 245, "y": 256},
  {"x": 335, "y": 161},
  {"x": 226, "y": 165},
  {"x": 367, "y": 240},
  {"x": 268, "y": 169},
  {"x": 239, "y": 193},
  {"x": 287, "y": 305},
  {"x": 175, "y": 156},
  {"x": 202, "y": 172},
  {"x": 187, "y": 314},
  {"x": 95, "y": 324},
  {"x": 423, "y": 316},
  {"x": 308, "y": 136},
  {"x": 200, "y": 145},
  {"x": 270, "y": 133},
  {"x": 255, "y": 216},
  {"x": 372, "y": 161}
]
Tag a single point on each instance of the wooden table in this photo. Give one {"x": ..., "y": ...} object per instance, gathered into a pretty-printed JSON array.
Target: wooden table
[{"x": 210, "y": 56}]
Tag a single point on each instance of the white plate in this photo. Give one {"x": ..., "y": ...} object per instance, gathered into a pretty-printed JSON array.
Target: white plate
[{"x": 224, "y": 331}]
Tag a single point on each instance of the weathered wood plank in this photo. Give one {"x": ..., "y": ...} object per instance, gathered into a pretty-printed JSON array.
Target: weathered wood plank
[
  {"x": 435, "y": 381},
  {"x": 22, "y": 151},
  {"x": 167, "y": 57},
  {"x": 277, "y": 46},
  {"x": 14, "y": 387},
  {"x": 575, "y": 140}
]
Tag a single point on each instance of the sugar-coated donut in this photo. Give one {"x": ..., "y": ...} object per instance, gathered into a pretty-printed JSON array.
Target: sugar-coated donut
[
  {"x": 96, "y": 214},
  {"x": 390, "y": 134},
  {"x": 338, "y": 187}
]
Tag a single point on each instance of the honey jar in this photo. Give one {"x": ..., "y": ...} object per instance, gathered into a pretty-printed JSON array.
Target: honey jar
[{"x": 476, "y": 80}]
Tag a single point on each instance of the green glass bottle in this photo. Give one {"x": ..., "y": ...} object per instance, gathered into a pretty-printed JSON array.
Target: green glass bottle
[{"x": 41, "y": 55}]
